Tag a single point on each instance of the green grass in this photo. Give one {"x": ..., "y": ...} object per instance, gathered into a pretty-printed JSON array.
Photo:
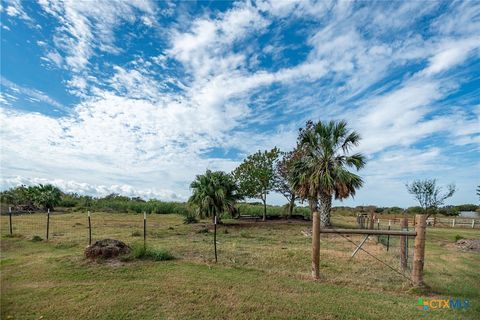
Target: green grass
[
  {"x": 262, "y": 273},
  {"x": 139, "y": 251}
]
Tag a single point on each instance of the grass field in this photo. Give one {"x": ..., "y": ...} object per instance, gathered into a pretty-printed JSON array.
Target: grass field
[{"x": 263, "y": 273}]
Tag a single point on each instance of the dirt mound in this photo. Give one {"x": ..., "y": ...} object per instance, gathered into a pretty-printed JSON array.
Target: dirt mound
[
  {"x": 106, "y": 248},
  {"x": 468, "y": 245}
]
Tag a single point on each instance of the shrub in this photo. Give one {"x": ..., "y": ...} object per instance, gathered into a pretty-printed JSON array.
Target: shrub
[
  {"x": 37, "y": 238},
  {"x": 458, "y": 237},
  {"x": 190, "y": 218}
]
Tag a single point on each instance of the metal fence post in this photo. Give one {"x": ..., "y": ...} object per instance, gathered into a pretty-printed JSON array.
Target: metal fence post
[
  {"x": 215, "y": 237},
  {"x": 48, "y": 221},
  {"x": 10, "y": 219},
  {"x": 89, "y": 229},
  {"x": 144, "y": 229}
]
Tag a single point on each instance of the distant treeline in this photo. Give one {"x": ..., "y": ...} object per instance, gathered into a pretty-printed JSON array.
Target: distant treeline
[{"x": 41, "y": 197}]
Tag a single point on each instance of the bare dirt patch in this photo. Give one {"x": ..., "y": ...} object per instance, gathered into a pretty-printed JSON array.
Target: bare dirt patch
[{"x": 468, "y": 245}]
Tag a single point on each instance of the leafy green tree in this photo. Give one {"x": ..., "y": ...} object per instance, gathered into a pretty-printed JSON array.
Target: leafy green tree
[
  {"x": 282, "y": 181},
  {"x": 214, "y": 193},
  {"x": 321, "y": 171},
  {"x": 429, "y": 195},
  {"x": 47, "y": 196},
  {"x": 256, "y": 174}
]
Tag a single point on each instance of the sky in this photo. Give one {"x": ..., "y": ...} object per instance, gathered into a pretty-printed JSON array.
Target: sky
[{"x": 138, "y": 97}]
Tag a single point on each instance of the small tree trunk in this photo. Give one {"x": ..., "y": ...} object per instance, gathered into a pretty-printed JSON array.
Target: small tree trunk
[
  {"x": 315, "y": 240},
  {"x": 325, "y": 207},
  {"x": 264, "y": 208}
]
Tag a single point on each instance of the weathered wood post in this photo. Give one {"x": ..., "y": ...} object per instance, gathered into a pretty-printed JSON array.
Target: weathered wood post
[
  {"x": 48, "y": 221},
  {"x": 89, "y": 229},
  {"x": 434, "y": 221},
  {"x": 10, "y": 219},
  {"x": 215, "y": 236},
  {"x": 473, "y": 225},
  {"x": 316, "y": 245},
  {"x": 371, "y": 220},
  {"x": 144, "y": 229},
  {"x": 403, "y": 244},
  {"x": 453, "y": 223},
  {"x": 419, "y": 252},
  {"x": 388, "y": 236}
]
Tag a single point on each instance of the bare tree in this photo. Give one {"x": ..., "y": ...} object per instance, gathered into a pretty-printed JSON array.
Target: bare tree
[{"x": 429, "y": 195}]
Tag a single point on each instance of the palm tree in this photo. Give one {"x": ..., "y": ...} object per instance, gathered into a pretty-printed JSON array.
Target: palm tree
[
  {"x": 47, "y": 196},
  {"x": 213, "y": 193},
  {"x": 321, "y": 172}
]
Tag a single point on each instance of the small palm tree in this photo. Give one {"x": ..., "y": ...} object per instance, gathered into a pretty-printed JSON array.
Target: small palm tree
[
  {"x": 321, "y": 172},
  {"x": 47, "y": 196},
  {"x": 214, "y": 193}
]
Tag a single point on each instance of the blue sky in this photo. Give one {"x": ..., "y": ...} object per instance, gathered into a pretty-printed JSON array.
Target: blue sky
[{"x": 137, "y": 97}]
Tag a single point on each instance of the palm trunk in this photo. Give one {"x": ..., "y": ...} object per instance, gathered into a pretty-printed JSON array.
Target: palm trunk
[
  {"x": 315, "y": 240},
  {"x": 290, "y": 208},
  {"x": 325, "y": 208}
]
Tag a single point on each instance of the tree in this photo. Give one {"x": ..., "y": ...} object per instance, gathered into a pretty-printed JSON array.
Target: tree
[
  {"x": 429, "y": 195},
  {"x": 321, "y": 169},
  {"x": 321, "y": 172},
  {"x": 213, "y": 193},
  {"x": 478, "y": 192},
  {"x": 47, "y": 196},
  {"x": 282, "y": 179},
  {"x": 255, "y": 176}
]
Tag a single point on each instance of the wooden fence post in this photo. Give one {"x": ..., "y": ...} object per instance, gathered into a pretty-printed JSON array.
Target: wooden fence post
[
  {"x": 371, "y": 220},
  {"x": 453, "y": 223},
  {"x": 419, "y": 252},
  {"x": 473, "y": 224},
  {"x": 48, "y": 222},
  {"x": 388, "y": 236},
  {"x": 89, "y": 229},
  {"x": 403, "y": 244},
  {"x": 10, "y": 218}
]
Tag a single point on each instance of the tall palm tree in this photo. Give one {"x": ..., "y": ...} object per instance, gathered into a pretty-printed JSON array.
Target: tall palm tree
[
  {"x": 213, "y": 193},
  {"x": 321, "y": 172}
]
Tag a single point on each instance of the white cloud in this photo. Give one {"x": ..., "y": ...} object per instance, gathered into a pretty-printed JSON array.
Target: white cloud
[
  {"x": 14, "y": 9},
  {"x": 85, "y": 27},
  {"x": 36, "y": 94}
]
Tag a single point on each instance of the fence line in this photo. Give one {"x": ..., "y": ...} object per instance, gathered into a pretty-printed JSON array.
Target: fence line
[{"x": 367, "y": 222}]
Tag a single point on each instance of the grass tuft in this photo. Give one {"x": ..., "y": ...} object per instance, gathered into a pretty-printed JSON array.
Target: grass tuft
[
  {"x": 37, "y": 239},
  {"x": 148, "y": 253},
  {"x": 136, "y": 233}
]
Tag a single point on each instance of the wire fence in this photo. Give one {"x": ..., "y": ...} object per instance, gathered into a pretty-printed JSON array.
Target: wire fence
[{"x": 75, "y": 227}]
